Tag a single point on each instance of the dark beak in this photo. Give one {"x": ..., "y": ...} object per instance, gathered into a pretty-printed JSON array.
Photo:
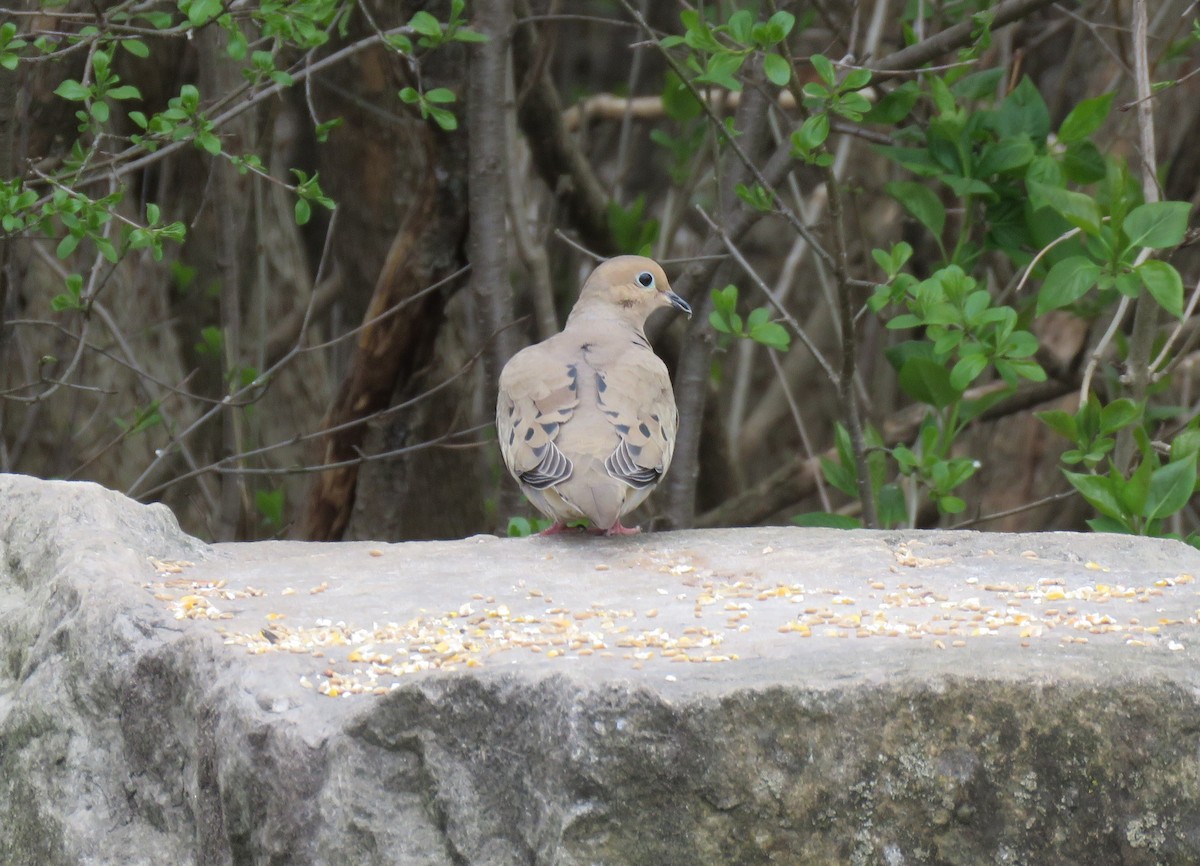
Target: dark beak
[{"x": 679, "y": 303}]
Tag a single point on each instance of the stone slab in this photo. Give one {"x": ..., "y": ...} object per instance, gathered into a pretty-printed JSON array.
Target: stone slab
[{"x": 723, "y": 696}]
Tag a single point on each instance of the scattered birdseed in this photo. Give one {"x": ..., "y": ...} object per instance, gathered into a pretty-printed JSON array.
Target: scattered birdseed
[{"x": 379, "y": 655}]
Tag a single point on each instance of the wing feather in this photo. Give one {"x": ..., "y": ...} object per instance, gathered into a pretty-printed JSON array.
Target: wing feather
[{"x": 538, "y": 393}]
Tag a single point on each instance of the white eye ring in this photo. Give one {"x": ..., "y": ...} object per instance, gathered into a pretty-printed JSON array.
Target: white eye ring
[{"x": 646, "y": 280}]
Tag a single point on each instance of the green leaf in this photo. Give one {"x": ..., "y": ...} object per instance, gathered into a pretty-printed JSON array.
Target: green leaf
[
  {"x": 894, "y": 106},
  {"x": 678, "y": 101},
  {"x": 1108, "y": 524},
  {"x": 725, "y": 300},
  {"x": 1157, "y": 224},
  {"x": 893, "y": 510},
  {"x": 772, "y": 335},
  {"x": 425, "y": 24},
  {"x": 1023, "y": 111},
  {"x": 967, "y": 370},
  {"x": 1062, "y": 423},
  {"x": 838, "y": 476},
  {"x": 1085, "y": 118},
  {"x": 720, "y": 71},
  {"x": 443, "y": 118},
  {"x": 1005, "y": 155},
  {"x": 440, "y": 94},
  {"x": 719, "y": 322},
  {"x": 1068, "y": 281},
  {"x": 519, "y": 527},
  {"x": 1083, "y": 163},
  {"x": 73, "y": 91},
  {"x": 1133, "y": 492},
  {"x": 136, "y": 47},
  {"x": 1097, "y": 490},
  {"x": 780, "y": 25},
  {"x": 200, "y": 12},
  {"x": 927, "y": 381},
  {"x": 322, "y": 130},
  {"x": 814, "y": 131},
  {"x": 270, "y": 505},
  {"x": 777, "y": 69},
  {"x": 1117, "y": 414},
  {"x": 827, "y": 520},
  {"x": 100, "y": 111},
  {"x": 943, "y": 99},
  {"x": 1076, "y": 208},
  {"x": 922, "y": 202},
  {"x": 1171, "y": 487},
  {"x": 951, "y": 505},
  {"x": 212, "y": 341},
  {"x": 740, "y": 25},
  {"x": 465, "y": 34},
  {"x": 824, "y": 69},
  {"x": 303, "y": 212},
  {"x": 978, "y": 85},
  {"x": 125, "y": 91},
  {"x": 1164, "y": 284},
  {"x": 66, "y": 246}
]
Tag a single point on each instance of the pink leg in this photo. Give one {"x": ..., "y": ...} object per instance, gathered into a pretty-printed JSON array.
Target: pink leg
[
  {"x": 618, "y": 529},
  {"x": 559, "y": 526}
]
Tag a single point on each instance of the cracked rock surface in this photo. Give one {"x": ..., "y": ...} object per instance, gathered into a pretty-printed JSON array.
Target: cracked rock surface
[{"x": 743, "y": 696}]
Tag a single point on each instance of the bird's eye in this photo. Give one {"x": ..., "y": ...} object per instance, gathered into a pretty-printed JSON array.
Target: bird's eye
[{"x": 646, "y": 279}]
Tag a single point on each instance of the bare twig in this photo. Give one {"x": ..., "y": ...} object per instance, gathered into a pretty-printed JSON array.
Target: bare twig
[
  {"x": 1145, "y": 315},
  {"x": 794, "y": 325},
  {"x": 848, "y": 372},
  {"x": 953, "y": 37},
  {"x": 487, "y": 239},
  {"x": 531, "y": 252},
  {"x": 735, "y": 144},
  {"x": 1165, "y": 352},
  {"x": 1020, "y": 509}
]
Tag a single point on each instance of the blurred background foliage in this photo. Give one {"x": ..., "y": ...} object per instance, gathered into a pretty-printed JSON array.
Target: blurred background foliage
[{"x": 262, "y": 260}]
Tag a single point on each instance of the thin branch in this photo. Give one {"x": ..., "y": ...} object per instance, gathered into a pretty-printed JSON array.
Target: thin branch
[
  {"x": 795, "y": 326},
  {"x": 956, "y": 36},
  {"x": 801, "y": 428},
  {"x": 1174, "y": 335},
  {"x": 733, "y": 142},
  {"x": 1145, "y": 316},
  {"x": 1019, "y": 509}
]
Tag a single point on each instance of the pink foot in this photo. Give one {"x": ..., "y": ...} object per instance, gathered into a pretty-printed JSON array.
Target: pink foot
[
  {"x": 618, "y": 529},
  {"x": 558, "y": 527}
]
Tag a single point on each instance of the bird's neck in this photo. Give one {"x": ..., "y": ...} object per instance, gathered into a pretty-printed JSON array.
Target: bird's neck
[{"x": 586, "y": 314}]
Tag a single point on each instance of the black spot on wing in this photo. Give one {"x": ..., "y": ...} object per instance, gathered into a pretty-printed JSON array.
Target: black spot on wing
[
  {"x": 644, "y": 430},
  {"x": 601, "y": 385}
]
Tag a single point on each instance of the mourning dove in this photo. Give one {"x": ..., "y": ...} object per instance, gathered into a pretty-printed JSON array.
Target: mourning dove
[{"x": 587, "y": 418}]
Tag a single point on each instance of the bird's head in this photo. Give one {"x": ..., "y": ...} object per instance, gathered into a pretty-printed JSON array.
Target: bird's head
[{"x": 632, "y": 286}]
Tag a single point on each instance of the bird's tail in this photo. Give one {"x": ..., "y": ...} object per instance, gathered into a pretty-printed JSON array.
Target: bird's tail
[{"x": 595, "y": 493}]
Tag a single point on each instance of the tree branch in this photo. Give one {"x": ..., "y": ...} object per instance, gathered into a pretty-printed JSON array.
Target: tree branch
[
  {"x": 487, "y": 240},
  {"x": 559, "y": 160},
  {"x": 956, "y": 36}
]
